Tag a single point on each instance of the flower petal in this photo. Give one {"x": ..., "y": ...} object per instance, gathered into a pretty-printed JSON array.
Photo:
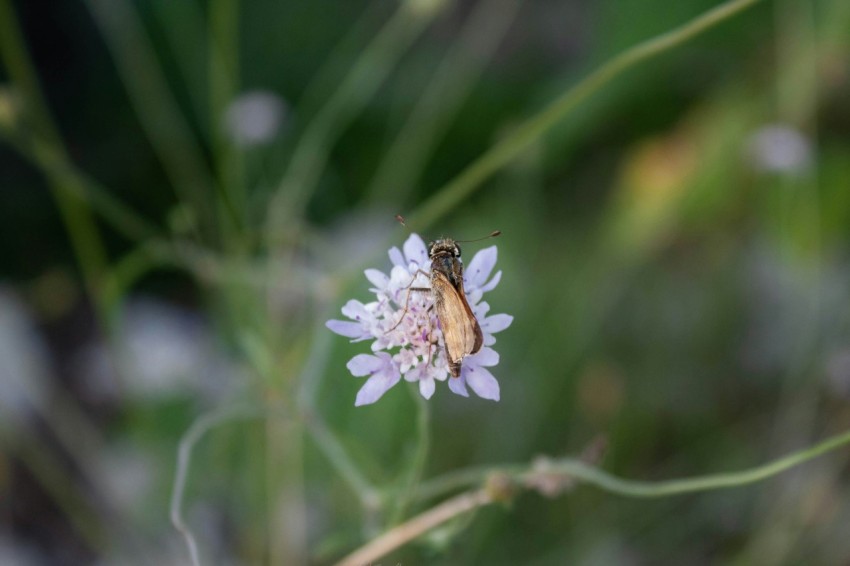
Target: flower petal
[
  {"x": 482, "y": 382},
  {"x": 399, "y": 279},
  {"x": 440, "y": 373},
  {"x": 473, "y": 296},
  {"x": 375, "y": 387},
  {"x": 496, "y": 323},
  {"x": 397, "y": 258},
  {"x": 426, "y": 387},
  {"x": 377, "y": 278},
  {"x": 364, "y": 364},
  {"x": 481, "y": 265},
  {"x": 458, "y": 386},
  {"x": 493, "y": 282},
  {"x": 411, "y": 337},
  {"x": 487, "y": 357},
  {"x": 415, "y": 251},
  {"x": 356, "y": 310},
  {"x": 407, "y": 361},
  {"x": 347, "y": 329},
  {"x": 480, "y": 310}
]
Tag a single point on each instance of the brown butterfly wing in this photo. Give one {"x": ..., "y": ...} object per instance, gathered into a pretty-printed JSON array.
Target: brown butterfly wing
[
  {"x": 461, "y": 332},
  {"x": 477, "y": 335}
]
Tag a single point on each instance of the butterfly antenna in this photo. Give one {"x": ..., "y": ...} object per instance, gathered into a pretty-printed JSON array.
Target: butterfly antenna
[{"x": 492, "y": 234}]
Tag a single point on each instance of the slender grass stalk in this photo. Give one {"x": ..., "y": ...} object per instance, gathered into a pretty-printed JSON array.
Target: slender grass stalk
[
  {"x": 159, "y": 113},
  {"x": 416, "y": 527},
  {"x": 223, "y": 57},
  {"x": 183, "y": 29},
  {"x": 48, "y": 471},
  {"x": 413, "y": 475},
  {"x": 127, "y": 270},
  {"x": 581, "y": 471},
  {"x": 286, "y": 538},
  {"x": 333, "y": 450},
  {"x": 54, "y": 163},
  {"x": 403, "y": 163},
  {"x": 76, "y": 215},
  {"x": 204, "y": 424},
  {"x": 366, "y": 75},
  {"x": 566, "y": 470},
  {"x": 532, "y": 129},
  {"x": 316, "y": 362},
  {"x": 22, "y": 73},
  {"x": 324, "y": 437},
  {"x": 343, "y": 55},
  {"x": 798, "y": 219}
]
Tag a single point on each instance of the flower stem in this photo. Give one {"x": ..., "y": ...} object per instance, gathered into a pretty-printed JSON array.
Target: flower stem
[
  {"x": 480, "y": 170},
  {"x": 567, "y": 470},
  {"x": 415, "y": 527},
  {"x": 580, "y": 470},
  {"x": 407, "y": 493},
  {"x": 338, "y": 457}
]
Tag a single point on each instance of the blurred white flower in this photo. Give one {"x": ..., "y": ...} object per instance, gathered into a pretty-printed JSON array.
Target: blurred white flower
[
  {"x": 126, "y": 475},
  {"x": 780, "y": 148},
  {"x": 162, "y": 350},
  {"x": 18, "y": 553},
  {"x": 421, "y": 355},
  {"x": 254, "y": 117}
]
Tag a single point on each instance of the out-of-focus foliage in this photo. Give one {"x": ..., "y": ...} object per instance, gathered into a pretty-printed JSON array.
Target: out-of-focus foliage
[{"x": 204, "y": 183}]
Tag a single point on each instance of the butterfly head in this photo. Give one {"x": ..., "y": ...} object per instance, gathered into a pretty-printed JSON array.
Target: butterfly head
[{"x": 445, "y": 247}]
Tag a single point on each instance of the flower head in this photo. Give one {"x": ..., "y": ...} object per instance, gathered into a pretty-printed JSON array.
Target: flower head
[{"x": 409, "y": 343}]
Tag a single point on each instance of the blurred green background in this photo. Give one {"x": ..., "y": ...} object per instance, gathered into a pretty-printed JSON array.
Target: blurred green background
[{"x": 199, "y": 185}]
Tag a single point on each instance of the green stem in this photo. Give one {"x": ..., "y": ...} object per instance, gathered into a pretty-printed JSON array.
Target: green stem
[
  {"x": 401, "y": 166},
  {"x": 196, "y": 432},
  {"x": 55, "y": 164},
  {"x": 131, "y": 267},
  {"x": 573, "y": 469},
  {"x": 223, "y": 54},
  {"x": 49, "y": 471},
  {"x": 367, "y": 74},
  {"x": 285, "y": 493},
  {"x": 496, "y": 486},
  {"x": 160, "y": 115},
  {"x": 82, "y": 230},
  {"x": 481, "y": 169},
  {"x": 22, "y": 72},
  {"x": 417, "y": 464},
  {"x": 339, "y": 459}
]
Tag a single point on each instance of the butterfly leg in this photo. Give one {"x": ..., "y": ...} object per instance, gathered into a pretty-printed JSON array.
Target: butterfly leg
[
  {"x": 407, "y": 298},
  {"x": 430, "y": 330}
]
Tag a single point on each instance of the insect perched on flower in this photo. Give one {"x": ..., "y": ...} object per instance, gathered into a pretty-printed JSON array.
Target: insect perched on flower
[
  {"x": 462, "y": 334},
  {"x": 423, "y": 332}
]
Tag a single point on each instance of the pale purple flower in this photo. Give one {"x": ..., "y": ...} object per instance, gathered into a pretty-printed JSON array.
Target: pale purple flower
[
  {"x": 254, "y": 118},
  {"x": 781, "y": 148},
  {"x": 413, "y": 348}
]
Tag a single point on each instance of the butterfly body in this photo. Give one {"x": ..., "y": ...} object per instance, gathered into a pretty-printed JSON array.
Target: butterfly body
[{"x": 462, "y": 334}]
